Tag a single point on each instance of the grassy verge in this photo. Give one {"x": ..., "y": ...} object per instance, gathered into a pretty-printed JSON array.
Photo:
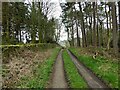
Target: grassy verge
[
  {"x": 105, "y": 69},
  {"x": 75, "y": 80},
  {"x": 23, "y": 45},
  {"x": 41, "y": 74}
]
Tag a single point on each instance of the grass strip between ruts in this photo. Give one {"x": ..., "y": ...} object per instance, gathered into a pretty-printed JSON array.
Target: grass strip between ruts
[{"x": 74, "y": 78}]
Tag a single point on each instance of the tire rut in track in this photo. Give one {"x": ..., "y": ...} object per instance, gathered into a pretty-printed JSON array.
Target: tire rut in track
[
  {"x": 89, "y": 77},
  {"x": 58, "y": 75}
]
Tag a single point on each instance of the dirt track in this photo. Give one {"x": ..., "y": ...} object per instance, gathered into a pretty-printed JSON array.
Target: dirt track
[
  {"x": 90, "y": 78},
  {"x": 58, "y": 78}
]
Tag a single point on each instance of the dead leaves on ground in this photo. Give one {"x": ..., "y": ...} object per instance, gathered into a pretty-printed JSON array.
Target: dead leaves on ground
[{"x": 22, "y": 65}]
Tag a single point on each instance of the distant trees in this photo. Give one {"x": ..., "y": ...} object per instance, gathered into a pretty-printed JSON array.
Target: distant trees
[
  {"x": 96, "y": 21},
  {"x": 58, "y": 29},
  {"x": 12, "y": 21},
  {"x": 27, "y": 21},
  {"x": 91, "y": 23},
  {"x": 68, "y": 20}
]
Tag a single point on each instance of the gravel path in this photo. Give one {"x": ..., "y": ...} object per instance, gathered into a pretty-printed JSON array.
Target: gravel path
[
  {"x": 58, "y": 78},
  {"x": 89, "y": 77}
]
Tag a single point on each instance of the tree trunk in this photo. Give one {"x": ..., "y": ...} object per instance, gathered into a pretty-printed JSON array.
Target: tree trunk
[
  {"x": 110, "y": 23},
  {"x": 82, "y": 27},
  {"x": 90, "y": 28},
  {"x": 94, "y": 25},
  {"x": 33, "y": 32},
  {"x": 119, "y": 12},
  {"x": 114, "y": 23},
  {"x": 7, "y": 29},
  {"x": 39, "y": 23},
  {"x": 7, "y": 38},
  {"x": 20, "y": 36},
  {"x": 108, "y": 33},
  {"x": 78, "y": 38},
  {"x": 72, "y": 34},
  {"x": 87, "y": 33},
  {"x": 76, "y": 22},
  {"x": 101, "y": 34},
  {"x": 119, "y": 24},
  {"x": 68, "y": 33},
  {"x": 98, "y": 37}
]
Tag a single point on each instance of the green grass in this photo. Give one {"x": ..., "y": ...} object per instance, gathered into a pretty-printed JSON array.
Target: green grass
[
  {"x": 41, "y": 74},
  {"x": 75, "y": 80},
  {"x": 105, "y": 69}
]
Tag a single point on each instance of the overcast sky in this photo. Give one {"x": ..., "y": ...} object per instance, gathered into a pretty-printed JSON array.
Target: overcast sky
[{"x": 57, "y": 12}]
